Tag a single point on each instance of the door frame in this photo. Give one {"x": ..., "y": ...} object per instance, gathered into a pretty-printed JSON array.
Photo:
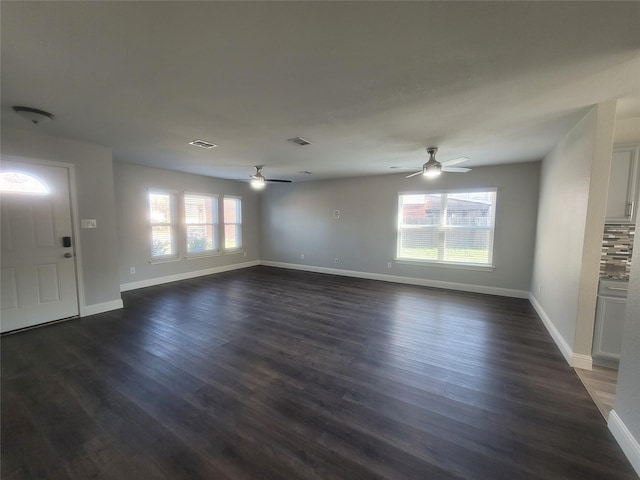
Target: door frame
[{"x": 75, "y": 218}]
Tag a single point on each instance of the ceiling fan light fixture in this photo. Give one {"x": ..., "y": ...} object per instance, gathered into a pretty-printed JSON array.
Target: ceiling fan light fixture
[
  {"x": 258, "y": 182},
  {"x": 432, "y": 169}
]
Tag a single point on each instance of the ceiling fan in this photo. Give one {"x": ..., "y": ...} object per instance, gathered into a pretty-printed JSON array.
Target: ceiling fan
[
  {"x": 433, "y": 168},
  {"x": 258, "y": 181}
]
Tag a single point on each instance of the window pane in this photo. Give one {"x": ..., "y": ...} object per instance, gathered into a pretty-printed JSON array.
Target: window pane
[
  {"x": 467, "y": 245},
  {"x": 162, "y": 241},
  {"x": 200, "y": 238},
  {"x": 454, "y": 227},
  {"x": 201, "y": 218},
  {"x": 160, "y": 206},
  {"x": 163, "y": 230},
  {"x": 231, "y": 239},
  {"x": 421, "y": 209},
  {"x": 231, "y": 210},
  {"x": 199, "y": 209},
  {"x": 21, "y": 183},
  {"x": 474, "y": 209},
  {"x": 419, "y": 243}
]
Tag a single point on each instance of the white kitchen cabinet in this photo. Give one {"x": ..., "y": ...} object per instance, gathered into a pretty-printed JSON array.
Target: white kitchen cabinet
[
  {"x": 622, "y": 199},
  {"x": 609, "y": 323}
]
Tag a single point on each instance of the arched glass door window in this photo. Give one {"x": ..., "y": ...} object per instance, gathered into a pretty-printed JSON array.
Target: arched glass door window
[{"x": 19, "y": 182}]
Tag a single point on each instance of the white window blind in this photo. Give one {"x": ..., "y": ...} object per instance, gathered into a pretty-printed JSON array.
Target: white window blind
[
  {"x": 232, "y": 214},
  {"x": 162, "y": 215},
  {"x": 201, "y": 223},
  {"x": 447, "y": 227}
]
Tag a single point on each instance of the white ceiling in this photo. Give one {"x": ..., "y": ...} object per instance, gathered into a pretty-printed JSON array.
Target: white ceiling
[{"x": 371, "y": 84}]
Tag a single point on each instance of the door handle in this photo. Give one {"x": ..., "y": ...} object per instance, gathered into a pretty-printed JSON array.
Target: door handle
[{"x": 68, "y": 255}]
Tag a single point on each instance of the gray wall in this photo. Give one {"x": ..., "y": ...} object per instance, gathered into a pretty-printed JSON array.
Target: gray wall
[
  {"x": 627, "y": 404},
  {"x": 132, "y": 183},
  {"x": 573, "y": 187},
  {"x": 94, "y": 182},
  {"x": 298, "y": 219}
]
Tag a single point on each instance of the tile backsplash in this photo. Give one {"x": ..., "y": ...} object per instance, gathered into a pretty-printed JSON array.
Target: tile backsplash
[{"x": 617, "y": 248}]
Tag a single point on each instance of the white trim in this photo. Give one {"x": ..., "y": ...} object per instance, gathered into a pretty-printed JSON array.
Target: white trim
[
  {"x": 576, "y": 360},
  {"x": 184, "y": 276},
  {"x": 102, "y": 307},
  {"x": 630, "y": 445},
  {"x": 75, "y": 219},
  {"x": 579, "y": 360},
  {"x": 565, "y": 349},
  {"x": 435, "y": 263},
  {"x": 465, "y": 287}
]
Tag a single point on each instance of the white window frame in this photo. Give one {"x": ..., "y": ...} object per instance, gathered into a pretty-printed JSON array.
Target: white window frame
[
  {"x": 173, "y": 225},
  {"x": 442, "y": 228},
  {"x": 214, "y": 224},
  {"x": 239, "y": 247}
]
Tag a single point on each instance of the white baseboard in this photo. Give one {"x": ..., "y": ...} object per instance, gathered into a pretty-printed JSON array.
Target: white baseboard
[
  {"x": 184, "y": 276},
  {"x": 101, "y": 307},
  {"x": 629, "y": 444},
  {"x": 584, "y": 362},
  {"x": 504, "y": 292},
  {"x": 565, "y": 349}
]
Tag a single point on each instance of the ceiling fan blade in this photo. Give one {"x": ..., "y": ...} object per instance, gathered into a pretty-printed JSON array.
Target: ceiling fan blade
[
  {"x": 276, "y": 180},
  {"x": 414, "y": 174},
  {"x": 454, "y": 161},
  {"x": 456, "y": 169}
]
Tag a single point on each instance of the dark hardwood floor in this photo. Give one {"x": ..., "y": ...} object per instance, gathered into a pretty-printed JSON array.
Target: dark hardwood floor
[{"x": 268, "y": 373}]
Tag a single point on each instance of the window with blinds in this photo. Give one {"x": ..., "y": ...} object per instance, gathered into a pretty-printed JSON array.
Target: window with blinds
[
  {"x": 232, "y": 215},
  {"x": 447, "y": 227},
  {"x": 201, "y": 224},
  {"x": 162, "y": 215}
]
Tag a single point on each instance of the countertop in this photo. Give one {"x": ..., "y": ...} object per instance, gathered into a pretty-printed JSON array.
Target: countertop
[{"x": 620, "y": 277}]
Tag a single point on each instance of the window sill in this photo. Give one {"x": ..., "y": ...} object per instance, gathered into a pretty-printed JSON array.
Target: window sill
[
  {"x": 202, "y": 255},
  {"x": 458, "y": 266},
  {"x": 234, "y": 251},
  {"x": 157, "y": 261}
]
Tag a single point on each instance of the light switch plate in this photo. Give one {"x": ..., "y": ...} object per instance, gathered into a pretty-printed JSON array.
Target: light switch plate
[{"x": 88, "y": 223}]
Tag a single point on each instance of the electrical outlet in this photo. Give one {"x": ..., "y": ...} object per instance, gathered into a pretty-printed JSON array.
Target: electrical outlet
[
  {"x": 335, "y": 260},
  {"x": 132, "y": 270},
  {"x": 336, "y": 214},
  {"x": 389, "y": 265},
  {"x": 302, "y": 256},
  {"x": 245, "y": 254}
]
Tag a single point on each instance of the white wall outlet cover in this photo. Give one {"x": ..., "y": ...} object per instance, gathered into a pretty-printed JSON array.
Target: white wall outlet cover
[
  {"x": 336, "y": 214},
  {"x": 88, "y": 223}
]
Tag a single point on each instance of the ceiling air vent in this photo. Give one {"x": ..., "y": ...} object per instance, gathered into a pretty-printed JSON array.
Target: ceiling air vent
[
  {"x": 202, "y": 144},
  {"x": 300, "y": 141}
]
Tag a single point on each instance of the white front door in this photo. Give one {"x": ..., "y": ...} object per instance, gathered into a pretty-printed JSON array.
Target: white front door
[{"x": 38, "y": 265}]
